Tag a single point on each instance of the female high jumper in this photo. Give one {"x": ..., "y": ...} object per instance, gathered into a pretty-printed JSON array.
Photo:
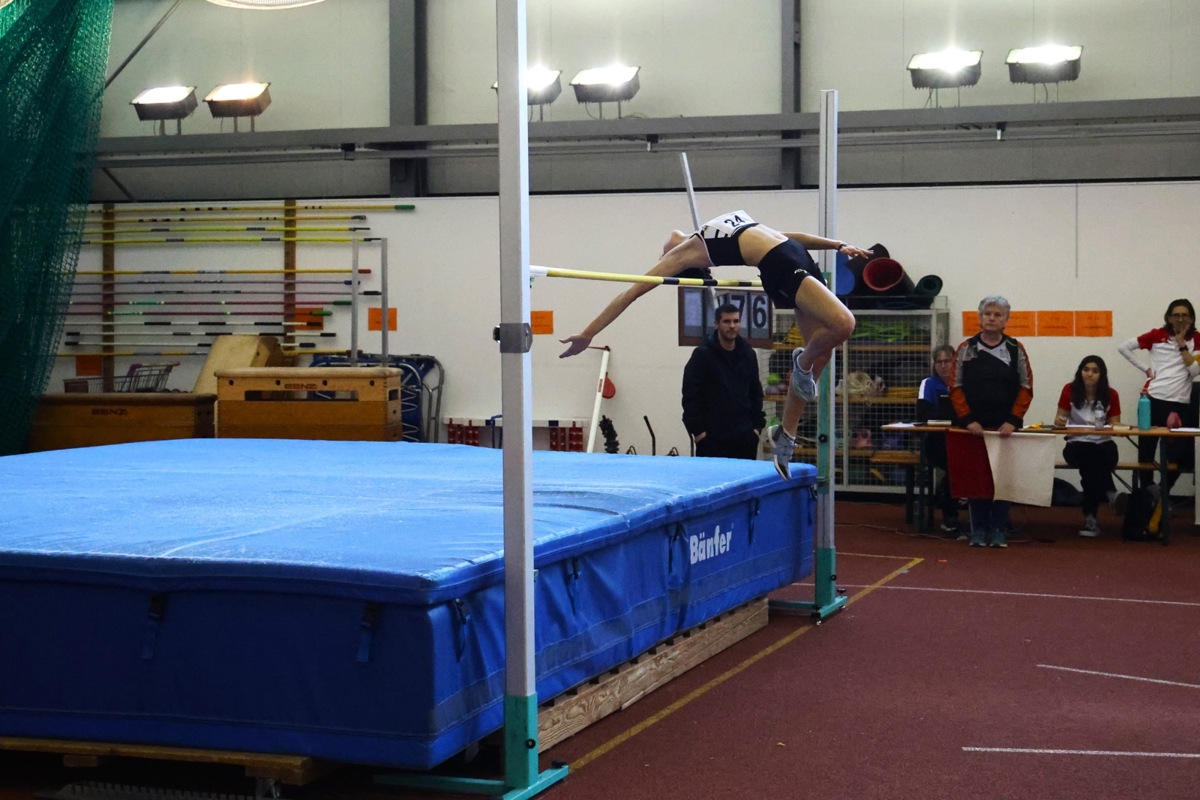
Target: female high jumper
[{"x": 784, "y": 264}]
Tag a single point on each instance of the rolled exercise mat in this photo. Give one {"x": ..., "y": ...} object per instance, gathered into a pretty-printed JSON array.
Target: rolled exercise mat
[
  {"x": 886, "y": 275},
  {"x": 855, "y": 266},
  {"x": 929, "y": 286}
]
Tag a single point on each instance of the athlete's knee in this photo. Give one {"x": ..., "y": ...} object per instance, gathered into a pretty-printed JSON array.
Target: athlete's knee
[
  {"x": 843, "y": 326},
  {"x": 674, "y": 240}
]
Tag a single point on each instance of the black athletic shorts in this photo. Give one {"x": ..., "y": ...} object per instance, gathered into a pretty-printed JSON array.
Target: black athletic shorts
[{"x": 783, "y": 268}]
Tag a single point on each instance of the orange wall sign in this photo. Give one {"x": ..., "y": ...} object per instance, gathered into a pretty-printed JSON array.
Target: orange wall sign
[
  {"x": 375, "y": 319},
  {"x": 1021, "y": 323},
  {"x": 1093, "y": 323},
  {"x": 89, "y": 365},
  {"x": 1047, "y": 323},
  {"x": 1055, "y": 323},
  {"x": 541, "y": 321}
]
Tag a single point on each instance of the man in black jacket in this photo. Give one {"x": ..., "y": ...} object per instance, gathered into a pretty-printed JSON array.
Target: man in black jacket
[{"x": 722, "y": 394}]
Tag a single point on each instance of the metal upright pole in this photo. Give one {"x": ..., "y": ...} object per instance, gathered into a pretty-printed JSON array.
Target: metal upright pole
[
  {"x": 516, "y": 339},
  {"x": 709, "y": 292},
  {"x": 521, "y": 776},
  {"x": 827, "y": 600},
  {"x": 354, "y": 303},
  {"x": 384, "y": 308}
]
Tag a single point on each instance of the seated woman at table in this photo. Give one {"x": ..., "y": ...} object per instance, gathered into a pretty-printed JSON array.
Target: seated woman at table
[
  {"x": 1089, "y": 402},
  {"x": 933, "y": 402}
]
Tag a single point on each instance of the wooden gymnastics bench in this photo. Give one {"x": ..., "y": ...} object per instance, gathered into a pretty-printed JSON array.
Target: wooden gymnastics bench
[{"x": 1128, "y": 466}]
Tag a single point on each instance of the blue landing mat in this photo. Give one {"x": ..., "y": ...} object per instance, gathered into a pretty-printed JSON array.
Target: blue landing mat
[{"x": 344, "y": 600}]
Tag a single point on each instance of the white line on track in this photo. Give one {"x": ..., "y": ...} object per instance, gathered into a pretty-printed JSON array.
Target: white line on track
[
  {"x": 1038, "y": 751},
  {"x": 894, "y": 588},
  {"x": 1118, "y": 675}
]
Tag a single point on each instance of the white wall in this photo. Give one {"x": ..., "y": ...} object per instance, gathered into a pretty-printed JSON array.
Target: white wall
[
  {"x": 1130, "y": 50},
  {"x": 697, "y": 58},
  {"x": 1086, "y": 247},
  {"x": 328, "y": 63}
]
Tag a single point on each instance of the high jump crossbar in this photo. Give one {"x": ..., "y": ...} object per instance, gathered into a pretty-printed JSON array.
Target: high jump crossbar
[{"x": 551, "y": 272}]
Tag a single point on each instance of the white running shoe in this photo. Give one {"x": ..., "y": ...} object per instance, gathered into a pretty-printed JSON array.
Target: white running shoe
[
  {"x": 782, "y": 447},
  {"x": 803, "y": 383}
]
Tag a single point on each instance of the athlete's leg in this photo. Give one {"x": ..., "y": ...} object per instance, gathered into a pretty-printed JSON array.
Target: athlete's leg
[{"x": 825, "y": 324}]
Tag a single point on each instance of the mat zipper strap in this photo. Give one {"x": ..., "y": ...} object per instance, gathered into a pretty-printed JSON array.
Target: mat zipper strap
[
  {"x": 154, "y": 615},
  {"x": 675, "y": 537},
  {"x": 366, "y": 625},
  {"x": 573, "y": 583},
  {"x": 462, "y": 617},
  {"x": 755, "y": 507}
]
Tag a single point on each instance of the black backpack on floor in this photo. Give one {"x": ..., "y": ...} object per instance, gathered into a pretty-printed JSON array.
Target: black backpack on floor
[{"x": 1138, "y": 511}]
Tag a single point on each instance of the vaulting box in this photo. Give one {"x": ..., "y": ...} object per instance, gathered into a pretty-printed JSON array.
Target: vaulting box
[
  {"x": 87, "y": 420},
  {"x": 341, "y": 403}
]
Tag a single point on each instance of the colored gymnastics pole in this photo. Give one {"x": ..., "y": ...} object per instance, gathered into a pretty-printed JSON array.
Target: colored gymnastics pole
[
  {"x": 123, "y": 231},
  {"x": 232, "y": 239},
  {"x": 240, "y": 209},
  {"x": 117, "y": 223},
  {"x": 321, "y": 271}
]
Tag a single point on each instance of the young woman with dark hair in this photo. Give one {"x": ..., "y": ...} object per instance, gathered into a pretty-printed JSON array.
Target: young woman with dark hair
[{"x": 1089, "y": 402}]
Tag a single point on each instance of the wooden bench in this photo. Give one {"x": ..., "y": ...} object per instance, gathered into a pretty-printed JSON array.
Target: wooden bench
[{"x": 1127, "y": 466}]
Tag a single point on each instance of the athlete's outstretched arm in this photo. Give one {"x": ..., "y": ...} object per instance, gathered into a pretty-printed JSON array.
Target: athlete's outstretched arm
[
  {"x": 689, "y": 253},
  {"x": 813, "y": 242}
]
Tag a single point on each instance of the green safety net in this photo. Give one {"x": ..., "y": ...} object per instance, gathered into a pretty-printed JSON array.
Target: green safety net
[{"x": 53, "y": 57}]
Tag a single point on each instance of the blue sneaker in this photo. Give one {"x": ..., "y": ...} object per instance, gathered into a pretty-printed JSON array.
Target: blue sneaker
[
  {"x": 999, "y": 539},
  {"x": 782, "y": 447},
  {"x": 803, "y": 383},
  {"x": 977, "y": 539}
]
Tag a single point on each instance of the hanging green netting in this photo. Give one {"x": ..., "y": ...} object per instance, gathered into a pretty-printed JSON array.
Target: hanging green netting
[{"x": 53, "y": 56}]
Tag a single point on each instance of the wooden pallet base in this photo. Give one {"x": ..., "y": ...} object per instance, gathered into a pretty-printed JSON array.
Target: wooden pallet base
[
  {"x": 291, "y": 770},
  {"x": 620, "y": 688}
]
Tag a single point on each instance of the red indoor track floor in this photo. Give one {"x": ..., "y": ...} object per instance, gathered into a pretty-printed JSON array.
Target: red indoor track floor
[{"x": 1060, "y": 667}]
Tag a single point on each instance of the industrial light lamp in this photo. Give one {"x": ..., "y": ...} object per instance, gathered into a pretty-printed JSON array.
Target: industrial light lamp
[
  {"x": 162, "y": 103},
  {"x": 614, "y": 84},
  {"x": 1046, "y": 64},
  {"x": 238, "y": 100},
  {"x": 542, "y": 87},
  {"x": 949, "y": 69}
]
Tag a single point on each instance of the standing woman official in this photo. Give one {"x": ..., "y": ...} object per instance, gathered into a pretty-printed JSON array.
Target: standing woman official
[
  {"x": 991, "y": 389},
  {"x": 1172, "y": 369}
]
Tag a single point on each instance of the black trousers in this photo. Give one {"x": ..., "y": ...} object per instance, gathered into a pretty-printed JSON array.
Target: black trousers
[
  {"x": 1179, "y": 451},
  {"x": 742, "y": 447},
  {"x": 1095, "y": 462}
]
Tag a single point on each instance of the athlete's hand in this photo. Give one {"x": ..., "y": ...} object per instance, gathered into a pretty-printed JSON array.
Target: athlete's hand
[
  {"x": 578, "y": 344},
  {"x": 855, "y": 252}
]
